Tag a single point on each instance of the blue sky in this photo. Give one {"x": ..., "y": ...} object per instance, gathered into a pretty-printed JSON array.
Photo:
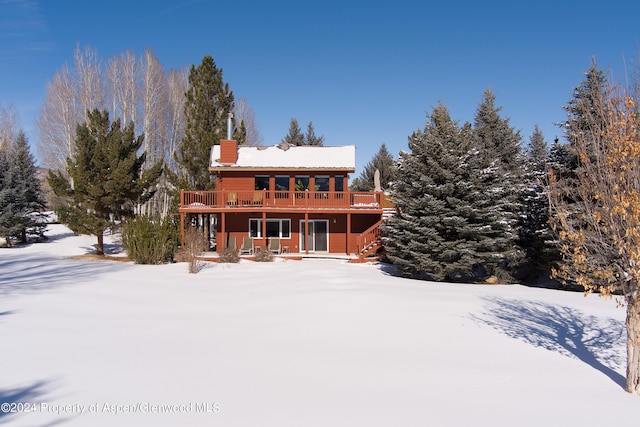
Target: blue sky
[{"x": 364, "y": 73}]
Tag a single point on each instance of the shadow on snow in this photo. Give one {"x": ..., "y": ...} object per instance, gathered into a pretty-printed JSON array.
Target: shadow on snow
[
  {"x": 593, "y": 340},
  {"x": 33, "y": 272},
  {"x": 31, "y": 393}
]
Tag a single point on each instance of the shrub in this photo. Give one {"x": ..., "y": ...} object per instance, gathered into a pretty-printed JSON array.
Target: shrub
[
  {"x": 150, "y": 241},
  {"x": 195, "y": 242},
  {"x": 263, "y": 255},
  {"x": 229, "y": 255}
]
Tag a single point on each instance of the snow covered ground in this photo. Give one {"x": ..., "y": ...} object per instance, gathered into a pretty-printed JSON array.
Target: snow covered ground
[{"x": 295, "y": 343}]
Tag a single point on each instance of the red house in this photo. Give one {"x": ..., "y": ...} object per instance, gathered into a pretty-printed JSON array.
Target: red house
[{"x": 289, "y": 199}]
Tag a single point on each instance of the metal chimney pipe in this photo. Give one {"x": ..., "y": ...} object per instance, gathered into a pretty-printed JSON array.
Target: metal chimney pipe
[{"x": 230, "y": 126}]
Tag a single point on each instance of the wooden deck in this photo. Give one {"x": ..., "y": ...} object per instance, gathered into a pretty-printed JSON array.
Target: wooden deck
[{"x": 218, "y": 201}]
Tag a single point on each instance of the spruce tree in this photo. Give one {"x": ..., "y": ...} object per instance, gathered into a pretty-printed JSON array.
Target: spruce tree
[
  {"x": 208, "y": 102},
  {"x": 8, "y": 197},
  {"x": 587, "y": 116},
  {"x": 295, "y": 136},
  {"x": 535, "y": 234},
  {"x": 429, "y": 238},
  {"x": 105, "y": 177},
  {"x": 21, "y": 198},
  {"x": 382, "y": 161},
  {"x": 310, "y": 137},
  {"x": 496, "y": 164},
  {"x": 587, "y": 109}
]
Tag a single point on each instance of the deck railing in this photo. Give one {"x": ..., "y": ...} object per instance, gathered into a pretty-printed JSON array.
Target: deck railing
[
  {"x": 282, "y": 199},
  {"x": 369, "y": 240}
]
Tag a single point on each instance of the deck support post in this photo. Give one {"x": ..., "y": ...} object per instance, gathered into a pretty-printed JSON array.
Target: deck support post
[
  {"x": 306, "y": 233},
  {"x": 348, "y": 231},
  {"x": 182, "y": 229},
  {"x": 223, "y": 231},
  {"x": 264, "y": 229}
]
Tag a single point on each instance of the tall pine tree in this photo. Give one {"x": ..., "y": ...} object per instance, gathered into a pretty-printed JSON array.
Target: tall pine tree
[
  {"x": 587, "y": 110},
  {"x": 207, "y": 106},
  {"x": 106, "y": 181},
  {"x": 429, "y": 238},
  {"x": 535, "y": 234},
  {"x": 295, "y": 136},
  {"x": 382, "y": 161},
  {"x": 587, "y": 116},
  {"x": 496, "y": 164},
  {"x": 21, "y": 198},
  {"x": 8, "y": 196},
  {"x": 310, "y": 137}
]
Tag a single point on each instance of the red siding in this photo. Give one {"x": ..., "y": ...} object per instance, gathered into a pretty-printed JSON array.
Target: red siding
[{"x": 237, "y": 225}]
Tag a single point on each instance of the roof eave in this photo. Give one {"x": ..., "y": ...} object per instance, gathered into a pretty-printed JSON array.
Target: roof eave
[{"x": 278, "y": 168}]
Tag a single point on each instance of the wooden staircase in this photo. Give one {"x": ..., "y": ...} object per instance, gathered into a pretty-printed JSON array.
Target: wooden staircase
[{"x": 369, "y": 241}]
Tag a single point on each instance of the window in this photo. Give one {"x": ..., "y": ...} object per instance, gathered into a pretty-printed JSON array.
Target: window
[
  {"x": 322, "y": 183},
  {"x": 275, "y": 228},
  {"x": 282, "y": 183},
  {"x": 339, "y": 182},
  {"x": 262, "y": 182},
  {"x": 302, "y": 182}
]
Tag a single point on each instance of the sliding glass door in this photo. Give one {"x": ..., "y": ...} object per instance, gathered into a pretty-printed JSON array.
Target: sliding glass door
[{"x": 318, "y": 235}]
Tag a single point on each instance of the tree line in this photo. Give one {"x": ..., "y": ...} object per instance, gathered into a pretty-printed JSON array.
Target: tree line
[{"x": 475, "y": 205}]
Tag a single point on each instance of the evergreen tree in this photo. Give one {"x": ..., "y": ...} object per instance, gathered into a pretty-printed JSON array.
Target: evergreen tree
[
  {"x": 8, "y": 196},
  {"x": 310, "y": 137},
  {"x": 535, "y": 234},
  {"x": 207, "y": 106},
  {"x": 358, "y": 185},
  {"x": 21, "y": 198},
  {"x": 295, "y": 136},
  {"x": 429, "y": 238},
  {"x": 587, "y": 110},
  {"x": 587, "y": 117},
  {"x": 498, "y": 183},
  {"x": 562, "y": 160},
  {"x": 382, "y": 161},
  {"x": 105, "y": 177}
]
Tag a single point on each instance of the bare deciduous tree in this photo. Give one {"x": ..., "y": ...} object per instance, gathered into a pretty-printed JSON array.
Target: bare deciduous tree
[
  {"x": 70, "y": 94},
  {"x": 154, "y": 95},
  {"x": 597, "y": 214},
  {"x": 154, "y": 98},
  {"x": 135, "y": 90},
  {"x": 122, "y": 77},
  {"x": 178, "y": 82},
  {"x": 243, "y": 113},
  {"x": 9, "y": 125},
  {"x": 89, "y": 85},
  {"x": 59, "y": 116}
]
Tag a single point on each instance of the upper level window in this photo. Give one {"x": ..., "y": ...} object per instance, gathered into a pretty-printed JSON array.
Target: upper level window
[
  {"x": 339, "y": 182},
  {"x": 322, "y": 183},
  {"x": 302, "y": 182},
  {"x": 282, "y": 183},
  {"x": 262, "y": 182}
]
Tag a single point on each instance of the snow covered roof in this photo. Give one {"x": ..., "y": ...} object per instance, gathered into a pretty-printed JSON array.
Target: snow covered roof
[{"x": 289, "y": 157}]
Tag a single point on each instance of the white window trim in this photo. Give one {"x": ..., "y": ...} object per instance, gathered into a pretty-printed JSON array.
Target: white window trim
[{"x": 278, "y": 220}]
